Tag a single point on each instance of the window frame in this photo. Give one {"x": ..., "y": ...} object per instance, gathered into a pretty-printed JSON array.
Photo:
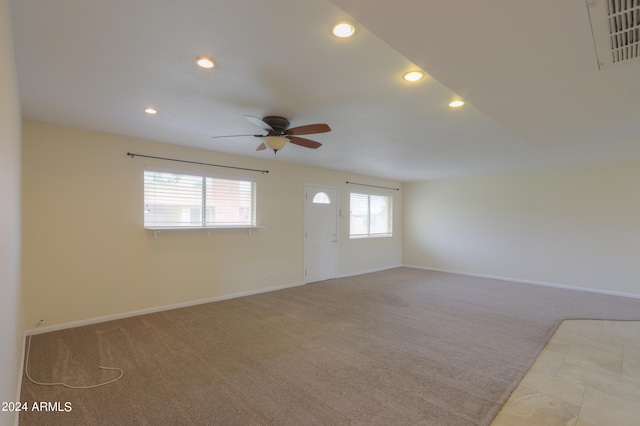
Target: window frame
[
  {"x": 203, "y": 206},
  {"x": 369, "y": 234}
]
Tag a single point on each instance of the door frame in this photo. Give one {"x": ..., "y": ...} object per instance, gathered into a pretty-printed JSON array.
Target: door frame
[{"x": 304, "y": 231}]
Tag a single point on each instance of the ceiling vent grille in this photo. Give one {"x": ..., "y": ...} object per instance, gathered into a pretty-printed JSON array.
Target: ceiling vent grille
[{"x": 616, "y": 30}]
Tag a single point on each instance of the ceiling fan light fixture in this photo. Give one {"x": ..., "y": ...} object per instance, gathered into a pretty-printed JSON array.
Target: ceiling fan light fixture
[
  {"x": 343, "y": 30},
  {"x": 205, "y": 62},
  {"x": 413, "y": 75},
  {"x": 275, "y": 143}
]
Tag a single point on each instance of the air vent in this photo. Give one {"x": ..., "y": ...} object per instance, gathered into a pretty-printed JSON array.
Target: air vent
[{"x": 616, "y": 30}]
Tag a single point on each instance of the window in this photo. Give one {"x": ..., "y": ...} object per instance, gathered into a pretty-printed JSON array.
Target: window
[
  {"x": 173, "y": 200},
  {"x": 321, "y": 198},
  {"x": 370, "y": 216}
]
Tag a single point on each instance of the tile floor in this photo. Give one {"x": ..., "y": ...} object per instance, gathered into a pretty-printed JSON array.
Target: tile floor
[{"x": 587, "y": 375}]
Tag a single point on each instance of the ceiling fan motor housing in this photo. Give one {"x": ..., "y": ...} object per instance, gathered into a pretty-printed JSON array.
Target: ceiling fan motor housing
[{"x": 279, "y": 124}]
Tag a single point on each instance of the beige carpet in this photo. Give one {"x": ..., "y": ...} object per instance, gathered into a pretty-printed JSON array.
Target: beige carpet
[{"x": 403, "y": 346}]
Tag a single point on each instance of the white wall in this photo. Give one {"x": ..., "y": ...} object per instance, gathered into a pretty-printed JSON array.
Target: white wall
[
  {"x": 576, "y": 227},
  {"x": 86, "y": 254},
  {"x": 11, "y": 328}
]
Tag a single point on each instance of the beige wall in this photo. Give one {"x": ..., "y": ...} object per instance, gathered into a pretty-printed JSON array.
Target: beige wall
[
  {"x": 576, "y": 227},
  {"x": 86, "y": 254},
  {"x": 11, "y": 326}
]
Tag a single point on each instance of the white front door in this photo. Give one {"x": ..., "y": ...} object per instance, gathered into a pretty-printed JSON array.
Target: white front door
[{"x": 320, "y": 233}]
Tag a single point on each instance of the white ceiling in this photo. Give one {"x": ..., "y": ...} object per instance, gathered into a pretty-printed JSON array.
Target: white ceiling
[{"x": 527, "y": 70}]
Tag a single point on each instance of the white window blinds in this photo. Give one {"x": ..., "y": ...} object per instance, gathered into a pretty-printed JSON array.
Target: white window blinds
[
  {"x": 173, "y": 200},
  {"x": 370, "y": 216}
]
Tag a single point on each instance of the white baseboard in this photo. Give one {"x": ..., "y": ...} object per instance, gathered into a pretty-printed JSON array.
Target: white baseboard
[
  {"x": 369, "y": 271},
  {"x": 542, "y": 283},
  {"x": 106, "y": 318},
  {"x": 96, "y": 320}
]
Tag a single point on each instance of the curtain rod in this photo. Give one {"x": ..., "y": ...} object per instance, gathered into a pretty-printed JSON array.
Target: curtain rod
[
  {"x": 196, "y": 162},
  {"x": 373, "y": 186}
]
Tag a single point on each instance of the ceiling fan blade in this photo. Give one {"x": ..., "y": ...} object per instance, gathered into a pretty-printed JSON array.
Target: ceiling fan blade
[
  {"x": 233, "y": 136},
  {"x": 261, "y": 147},
  {"x": 307, "y": 143},
  {"x": 308, "y": 129},
  {"x": 258, "y": 122}
]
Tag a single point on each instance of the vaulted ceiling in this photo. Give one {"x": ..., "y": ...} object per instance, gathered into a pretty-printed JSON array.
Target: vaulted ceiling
[{"x": 535, "y": 97}]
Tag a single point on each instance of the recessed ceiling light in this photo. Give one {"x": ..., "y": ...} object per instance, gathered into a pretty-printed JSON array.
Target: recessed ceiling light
[
  {"x": 150, "y": 110},
  {"x": 413, "y": 75},
  {"x": 343, "y": 30},
  {"x": 456, "y": 104},
  {"x": 205, "y": 62}
]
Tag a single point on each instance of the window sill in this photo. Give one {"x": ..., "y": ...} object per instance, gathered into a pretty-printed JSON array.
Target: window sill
[{"x": 157, "y": 229}]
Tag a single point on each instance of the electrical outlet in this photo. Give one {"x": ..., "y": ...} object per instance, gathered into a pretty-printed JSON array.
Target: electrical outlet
[
  {"x": 270, "y": 275},
  {"x": 39, "y": 323}
]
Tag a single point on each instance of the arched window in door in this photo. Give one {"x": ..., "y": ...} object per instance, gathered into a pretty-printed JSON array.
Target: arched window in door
[{"x": 321, "y": 198}]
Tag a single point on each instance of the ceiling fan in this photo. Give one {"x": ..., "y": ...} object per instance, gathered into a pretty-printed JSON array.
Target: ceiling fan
[{"x": 279, "y": 133}]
